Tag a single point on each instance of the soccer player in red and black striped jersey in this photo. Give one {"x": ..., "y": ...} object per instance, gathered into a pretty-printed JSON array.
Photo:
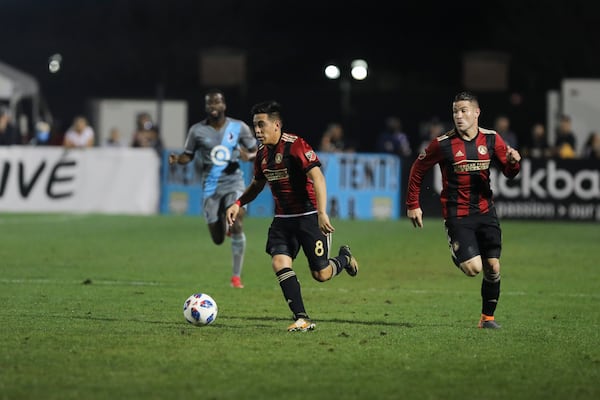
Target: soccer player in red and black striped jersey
[
  {"x": 293, "y": 170},
  {"x": 465, "y": 155}
]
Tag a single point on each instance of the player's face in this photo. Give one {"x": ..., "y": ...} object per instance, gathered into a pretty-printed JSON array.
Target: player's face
[
  {"x": 214, "y": 105},
  {"x": 465, "y": 115},
  {"x": 267, "y": 131}
]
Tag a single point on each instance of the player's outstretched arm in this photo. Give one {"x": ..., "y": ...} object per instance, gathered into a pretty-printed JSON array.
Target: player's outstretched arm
[{"x": 253, "y": 190}]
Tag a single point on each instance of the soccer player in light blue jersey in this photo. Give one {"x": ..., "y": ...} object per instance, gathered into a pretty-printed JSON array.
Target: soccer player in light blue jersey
[{"x": 220, "y": 142}]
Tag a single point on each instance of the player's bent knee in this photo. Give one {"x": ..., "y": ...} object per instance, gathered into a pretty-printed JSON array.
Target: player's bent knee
[
  {"x": 472, "y": 267},
  {"x": 322, "y": 275}
]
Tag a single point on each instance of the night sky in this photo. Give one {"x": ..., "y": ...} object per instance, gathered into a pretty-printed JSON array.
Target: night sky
[{"x": 138, "y": 49}]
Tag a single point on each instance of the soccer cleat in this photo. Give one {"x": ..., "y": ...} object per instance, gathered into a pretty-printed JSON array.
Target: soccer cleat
[
  {"x": 236, "y": 282},
  {"x": 302, "y": 325},
  {"x": 352, "y": 265},
  {"x": 487, "y": 322}
]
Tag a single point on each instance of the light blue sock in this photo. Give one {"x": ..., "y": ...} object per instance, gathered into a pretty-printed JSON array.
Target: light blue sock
[{"x": 238, "y": 248}]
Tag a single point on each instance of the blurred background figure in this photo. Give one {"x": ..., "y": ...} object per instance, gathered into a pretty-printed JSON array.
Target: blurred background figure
[
  {"x": 393, "y": 139},
  {"x": 564, "y": 145},
  {"x": 591, "y": 149},
  {"x": 334, "y": 141},
  {"x": 147, "y": 133},
  {"x": 9, "y": 134},
  {"x": 433, "y": 129},
  {"x": 538, "y": 146},
  {"x": 80, "y": 134},
  {"x": 41, "y": 135},
  {"x": 114, "y": 138},
  {"x": 502, "y": 126}
]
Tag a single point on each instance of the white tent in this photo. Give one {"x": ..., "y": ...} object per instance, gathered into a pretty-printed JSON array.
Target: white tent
[{"x": 15, "y": 86}]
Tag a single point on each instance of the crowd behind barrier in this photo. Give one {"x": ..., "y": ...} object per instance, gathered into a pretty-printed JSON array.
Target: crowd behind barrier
[{"x": 361, "y": 185}]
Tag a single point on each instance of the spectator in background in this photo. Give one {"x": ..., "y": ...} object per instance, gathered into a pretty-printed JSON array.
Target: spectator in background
[
  {"x": 393, "y": 140},
  {"x": 9, "y": 134},
  {"x": 434, "y": 128},
  {"x": 114, "y": 138},
  {"x": 502, "y": 126},
  {"x": 564, "y": 145},
  {"x": 147, "y": 133},
  {"x": 42, "y": 134},
  {"x": 333, "y": 140},
  {"x": 591, "y": 149},
  {"x": 538, "y": 147},
  {"x": 80, "y": 134}
]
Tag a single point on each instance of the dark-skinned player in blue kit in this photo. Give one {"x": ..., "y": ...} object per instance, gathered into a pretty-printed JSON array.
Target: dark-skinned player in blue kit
[{"x": 220, "y": 142}]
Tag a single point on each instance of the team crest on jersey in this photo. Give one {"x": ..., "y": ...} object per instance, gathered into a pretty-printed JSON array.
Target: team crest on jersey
[
  {"x": 310, "y": 155},
  {"x": 278, "y": 158},
  {"x": 482, "y": 150},
  {"x": 422, "y": 155},
  {"x": 230, "y": 137}
]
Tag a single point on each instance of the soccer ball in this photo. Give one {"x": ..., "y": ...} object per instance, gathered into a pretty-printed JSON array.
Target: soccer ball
[{"x": 200, "y": 309}]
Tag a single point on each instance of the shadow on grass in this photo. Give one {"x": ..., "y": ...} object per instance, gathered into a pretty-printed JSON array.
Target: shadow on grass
[
  {"x": 332, "y": 320},
  {"x": 246, "y": 318}
]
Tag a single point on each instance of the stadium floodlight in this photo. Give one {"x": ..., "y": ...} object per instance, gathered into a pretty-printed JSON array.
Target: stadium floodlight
[
  {"x": 359, "y": 69},
  {"x": 332, "y": 71}
]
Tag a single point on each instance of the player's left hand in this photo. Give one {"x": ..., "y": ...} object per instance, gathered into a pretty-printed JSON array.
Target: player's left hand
[{"x": 324, "y": 224}]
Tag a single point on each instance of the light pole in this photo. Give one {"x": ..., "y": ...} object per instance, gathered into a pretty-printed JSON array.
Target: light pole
[{"x": 359, "y": 70}]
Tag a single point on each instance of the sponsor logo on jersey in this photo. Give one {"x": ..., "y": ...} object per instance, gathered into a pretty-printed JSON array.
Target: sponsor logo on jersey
[
  {"x": 220, "y": 155},
  {"x": 471, "y": 165},
  {"x": 276, "y": 174}
]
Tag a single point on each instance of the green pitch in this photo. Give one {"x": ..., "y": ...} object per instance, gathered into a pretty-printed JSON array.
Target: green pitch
[{"x": 91, "y": 308}]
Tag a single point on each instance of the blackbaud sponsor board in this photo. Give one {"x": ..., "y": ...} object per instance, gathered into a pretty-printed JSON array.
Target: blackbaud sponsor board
[{"x": 544, "y": 189}]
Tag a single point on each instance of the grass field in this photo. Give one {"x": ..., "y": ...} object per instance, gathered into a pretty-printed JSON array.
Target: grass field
[{"x": 92, "y": 309}]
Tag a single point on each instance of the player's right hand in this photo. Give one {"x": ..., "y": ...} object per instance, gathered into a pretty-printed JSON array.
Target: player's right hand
[
  {"x": 416, "y": 216},
  {"x": 172, "y": 158},
  {"x": 231, "y": 213}
]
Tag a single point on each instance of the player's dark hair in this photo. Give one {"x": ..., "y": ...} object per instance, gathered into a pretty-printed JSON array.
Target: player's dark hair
[
  {"x": 466, "y": 96},
  {"x": 214, "y": 92},
  {"x": 269, "y": 107}
]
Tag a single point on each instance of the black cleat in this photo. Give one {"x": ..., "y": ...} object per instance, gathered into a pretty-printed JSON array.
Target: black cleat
[{"x": 352, "y": 265}]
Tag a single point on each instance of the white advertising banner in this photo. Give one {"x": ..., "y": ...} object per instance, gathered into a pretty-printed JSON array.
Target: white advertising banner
[{"x": 94, "y": 180}]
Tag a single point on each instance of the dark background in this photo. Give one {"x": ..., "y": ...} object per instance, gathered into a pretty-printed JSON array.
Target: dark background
[{"x": 415, "y": 51}]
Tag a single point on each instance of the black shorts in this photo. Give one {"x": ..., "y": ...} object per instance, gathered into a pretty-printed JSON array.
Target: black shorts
[
  {"x": 288, "y": 235},
  {"x": 473, "y": 236}
]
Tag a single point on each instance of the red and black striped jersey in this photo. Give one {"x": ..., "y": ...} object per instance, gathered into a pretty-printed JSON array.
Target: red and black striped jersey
[
  {"x": 465, "y": 168},
  {"x": 285, "y": 166}
]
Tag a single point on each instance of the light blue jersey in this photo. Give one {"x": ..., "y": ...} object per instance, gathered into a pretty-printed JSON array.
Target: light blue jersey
[{"x": 217, "y": 152}]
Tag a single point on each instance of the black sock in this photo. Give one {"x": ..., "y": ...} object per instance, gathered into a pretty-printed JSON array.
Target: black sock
[
  {"x": 490, "y": 293},
  {"x": 291, "y": 292}
]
